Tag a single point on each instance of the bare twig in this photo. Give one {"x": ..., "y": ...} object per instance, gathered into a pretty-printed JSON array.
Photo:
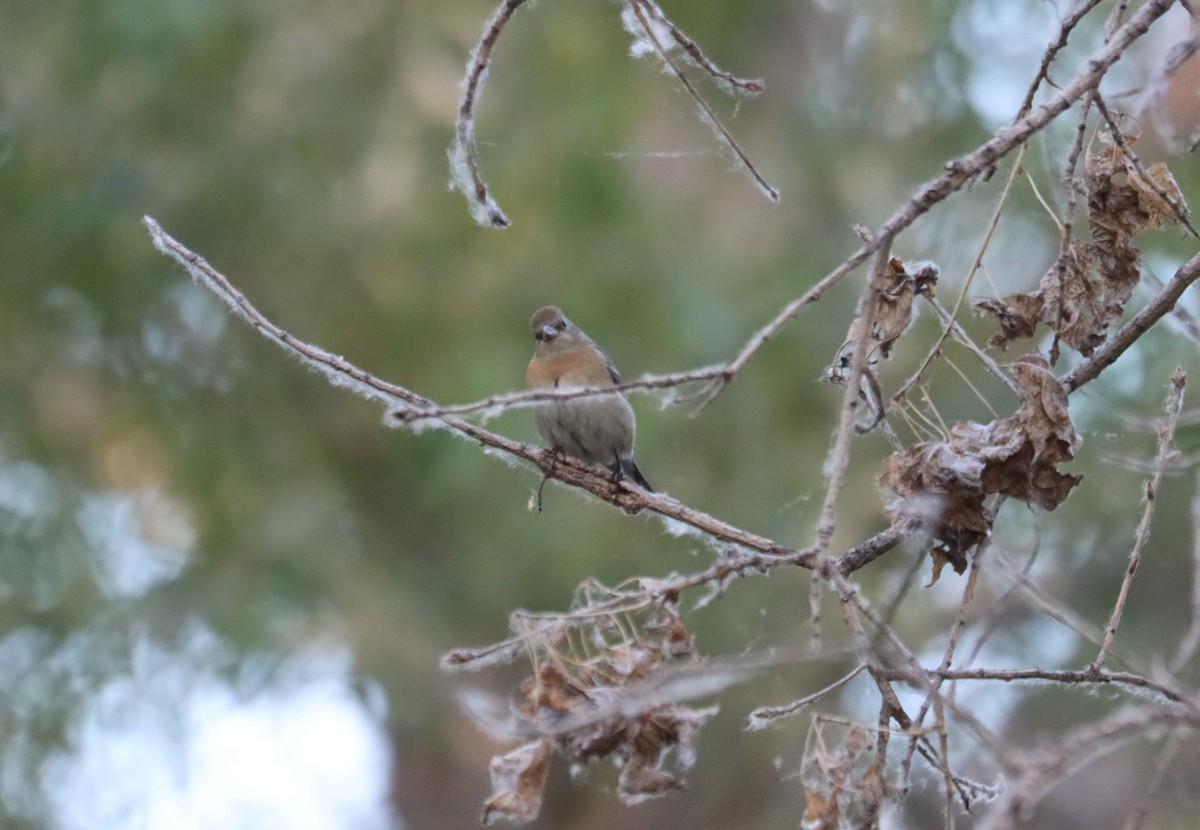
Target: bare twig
[
  {"x": 1053, "y": 608},
  {"x": 751, "y": 86},
  {"x": 1038, "y": 772},
  {"x": 642, "y": 10},
  {"x": 1128, "y": 334},
  {"x": 568, "y": 470},
  {"x": 950, "y": 319},
  {"x": 495, "y": 404},
  {"x": 1133, "y": 166},
  {"x": 764, "y": 714},
  {"x": 1083, "y": 676},
  {"x": 959, "y": 173},
  {"x": 1064, "y": 32},
  {"x": 1166, "y": 436},
  {"x": 464, "y": 163}
]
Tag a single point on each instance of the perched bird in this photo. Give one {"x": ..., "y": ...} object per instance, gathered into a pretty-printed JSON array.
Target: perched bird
[{"x": 595, "y": 430}]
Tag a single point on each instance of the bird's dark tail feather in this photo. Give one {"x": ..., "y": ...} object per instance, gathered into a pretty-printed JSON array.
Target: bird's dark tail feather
[{"x": 627, "y": 467}]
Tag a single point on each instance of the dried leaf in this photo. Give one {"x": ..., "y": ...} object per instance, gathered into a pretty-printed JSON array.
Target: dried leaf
[
  {"x": 942, "y": 485},
  {"x": 893, "y": 309},
  {"x": 641, "y": 781},
  {"x": 1084, "y": 293},
  {"x": 1044, "y": 414},
  {"x": 833, "y": 798},
  {"x": 1122, "y": 201},
  {"x": 821, "y": 812},
  {"x": 1017, "y": 314},
  {"x": 677, "y": 641},
  {"x": 518, "y": 780},
  {"x": 1080, "y": 297},
  {"x": 893, "y": 314},
  {"x": 551, "y": 690},
  {"x": 601, "y": 690}
]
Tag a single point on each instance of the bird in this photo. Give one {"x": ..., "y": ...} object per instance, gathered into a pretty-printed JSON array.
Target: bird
[{"x": 598, "y": 430}]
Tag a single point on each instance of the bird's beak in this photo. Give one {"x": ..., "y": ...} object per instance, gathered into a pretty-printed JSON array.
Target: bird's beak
[{"x": 549, "y": 332}]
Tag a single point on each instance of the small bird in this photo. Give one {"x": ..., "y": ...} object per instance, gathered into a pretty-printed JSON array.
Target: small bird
[{"x": 595, "y": 430}]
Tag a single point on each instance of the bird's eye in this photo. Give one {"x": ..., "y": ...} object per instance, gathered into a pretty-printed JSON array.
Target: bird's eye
[{"x": 561, "y": 325}]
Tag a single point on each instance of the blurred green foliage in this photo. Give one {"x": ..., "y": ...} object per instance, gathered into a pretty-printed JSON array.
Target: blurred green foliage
[{"x": 300, "y": 147}]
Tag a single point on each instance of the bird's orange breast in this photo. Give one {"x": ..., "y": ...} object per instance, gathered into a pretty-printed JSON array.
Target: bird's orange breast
[{"x": 581, "y": 367}]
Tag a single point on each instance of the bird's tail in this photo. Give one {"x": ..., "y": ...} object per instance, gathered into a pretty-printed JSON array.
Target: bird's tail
[{"x": 630, "y": 468}]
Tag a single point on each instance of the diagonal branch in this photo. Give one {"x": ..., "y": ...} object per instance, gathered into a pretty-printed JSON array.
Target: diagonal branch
[
  {"x": 959, "y": 173},
  {"x": 644, "y": 8},
  {"x": 1116, "y": 345},
  {"x": 340, "y": 372}
]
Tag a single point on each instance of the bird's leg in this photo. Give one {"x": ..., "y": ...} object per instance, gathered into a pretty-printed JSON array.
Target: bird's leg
[
  {"x": 617, "y": 469},
  {"x": 555, "y": 454}
]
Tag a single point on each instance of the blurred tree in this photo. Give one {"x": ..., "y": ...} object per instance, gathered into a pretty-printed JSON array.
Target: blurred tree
[{"x": 226, "y": 588}]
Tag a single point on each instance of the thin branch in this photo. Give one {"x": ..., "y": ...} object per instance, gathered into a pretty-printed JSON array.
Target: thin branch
[
  {"x": 950, "y": 320},
  {"x": 959, "y": 173},
  {"x": 764, "y": 714},
  {"x": 641, "y": 8},
  {"x": 1043, "y": 602},
  {"x": 568, "y": 470},
  {"x": 1166, "y": 436},
  {"x": 938, "y": 676},
  {"x": 464, "y": 163},
  {"x": 495, "y": 404},
  {"x": 751, "y": 86},
  {"x": 1067, "y": 676},
  {"x": 1051, "y": 53},
  {"x": 962, "y": 337},
  {"x": 1037, "y": 773},
  {"x": 1133, "y": 167},
  {"x": 1128, "y": 334},
  {"x": 1150, "y": 798}
]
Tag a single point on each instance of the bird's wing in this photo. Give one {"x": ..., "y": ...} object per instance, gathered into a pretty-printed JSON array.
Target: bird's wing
[{"x": 608, "y": 364}]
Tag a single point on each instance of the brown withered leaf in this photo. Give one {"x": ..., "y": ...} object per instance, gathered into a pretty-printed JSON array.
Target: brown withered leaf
[
  {"x": 943, "y": 485},
  {"x": 1080, "y": 297},
  {"x": 940, "y": 485},
  {"x": 676, "y": 640},
  {"x": 833, "y": 798},
  {"x": 1044, "y": 415},
  {"x": 1124, "y": 201},
  {"x": 518, "y": 780},
  {"x": 670, "y": 725},
  {"x": 893, "y": 313},
  {"x": 893, "y": 310},
  {"x": 551, "y": 691},
  {"x": 634, "y": 728},
  {"x": 821, "y": 812},
  {"x": 1017, "y": 314},
  {"x": 1085, "y": 292}
]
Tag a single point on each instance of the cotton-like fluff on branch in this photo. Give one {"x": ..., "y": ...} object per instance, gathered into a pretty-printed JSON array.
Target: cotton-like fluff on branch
[{"x": 644, "y": 43}]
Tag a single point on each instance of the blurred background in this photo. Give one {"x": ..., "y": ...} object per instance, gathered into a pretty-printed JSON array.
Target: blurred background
[{"x": 225, "y": 586}]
